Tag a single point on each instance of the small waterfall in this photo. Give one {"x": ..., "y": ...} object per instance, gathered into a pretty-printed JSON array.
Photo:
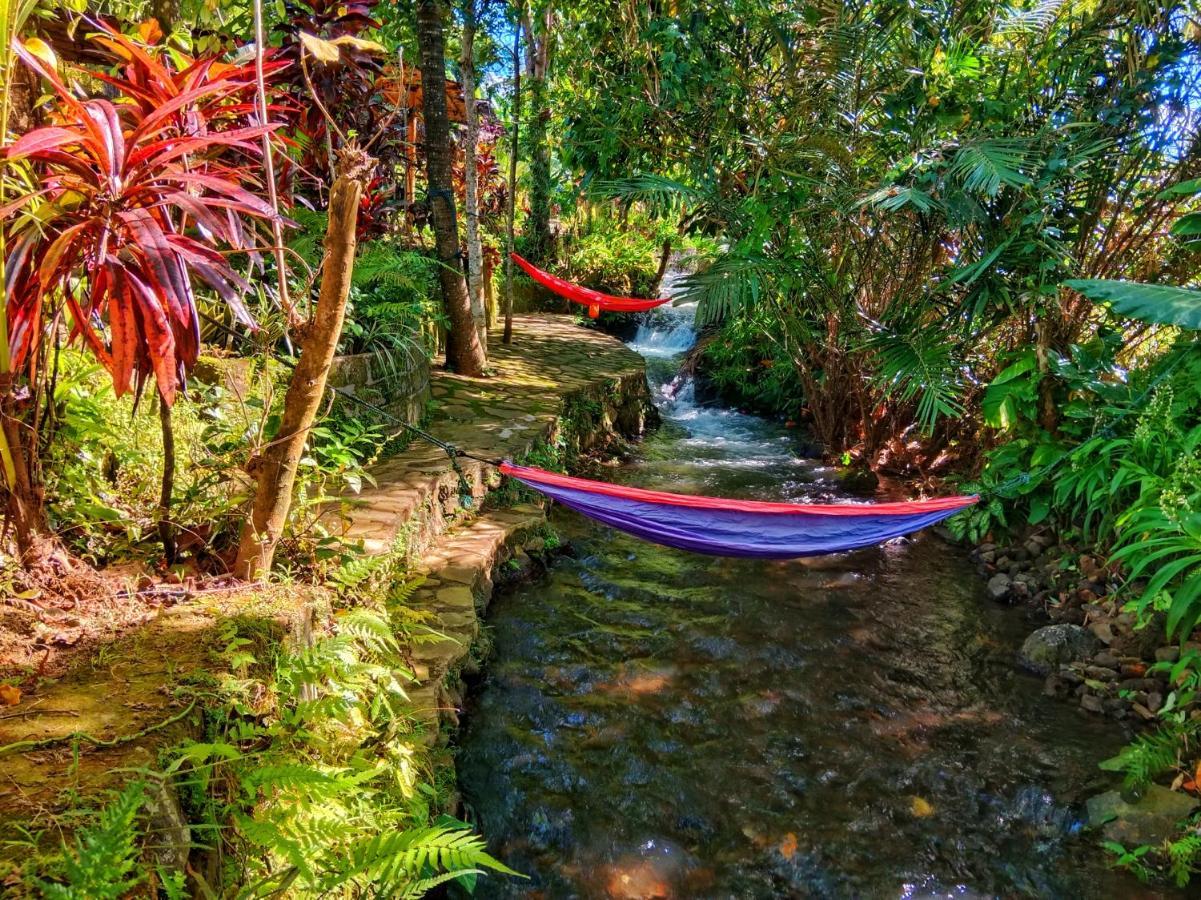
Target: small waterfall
[{"x": 666, "y": 332}]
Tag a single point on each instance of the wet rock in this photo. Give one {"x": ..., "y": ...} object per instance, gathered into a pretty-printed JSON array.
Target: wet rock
[
  {"x": 1167, "y": 654},
  {"x": 1142, "y": 712},
  {"x": 858, "y": 481},
  {"x": 1100, "y": 673},
  {"x": 999, "y": 585},
  {"x": 1033, "y": 547},
  {"x": 1092, "y": 703},
  {"x": 1056, "y": 645},
  {"x": 1070, "y": 675},
  {"x": 1138, "y": 684},
  {"x": 1106, "y": 659},
  {"x": 1103, "y": 631},
  {"x": 1056, "y": 686},
  {"x": 1151, "y": 819}
]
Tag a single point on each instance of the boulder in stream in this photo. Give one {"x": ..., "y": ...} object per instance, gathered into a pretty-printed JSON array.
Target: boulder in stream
[
  {"x": 1056, "y": 645},
  {"x": 1151, "y": 819}
]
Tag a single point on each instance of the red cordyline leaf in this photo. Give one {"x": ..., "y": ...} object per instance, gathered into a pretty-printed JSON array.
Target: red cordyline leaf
[{"x": 135, "y": 200}]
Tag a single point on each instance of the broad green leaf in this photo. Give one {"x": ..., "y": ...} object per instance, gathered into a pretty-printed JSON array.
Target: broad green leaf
[
  {"x": 1188, "y": 225},
  {"x": 1160, "y": 304}
]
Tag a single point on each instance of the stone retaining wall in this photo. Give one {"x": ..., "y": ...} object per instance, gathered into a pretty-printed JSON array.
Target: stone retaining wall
[{"x": 396, "y": 382}]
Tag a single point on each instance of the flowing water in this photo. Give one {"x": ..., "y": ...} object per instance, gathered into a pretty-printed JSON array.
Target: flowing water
[{"x": 661, "y": 724}]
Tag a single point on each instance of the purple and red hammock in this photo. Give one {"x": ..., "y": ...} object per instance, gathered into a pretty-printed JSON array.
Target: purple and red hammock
[
  {"x": 711, "y": 525},
  {"x": 594, "y": 300},
  {"x": 738, "y": 527}
]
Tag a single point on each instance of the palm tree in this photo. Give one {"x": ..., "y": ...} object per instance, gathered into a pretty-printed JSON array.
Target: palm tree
[{"x": 463, "y": 351}]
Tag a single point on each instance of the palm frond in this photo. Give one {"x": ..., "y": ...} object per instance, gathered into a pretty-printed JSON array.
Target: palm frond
[
  {"x": 659, "y": 195},
  {"x": 732, "y": 283},
  {"x": 986, "y": 166},
  {"x": 919, "y": 365},
  {"x": 1038, "y": 19}
]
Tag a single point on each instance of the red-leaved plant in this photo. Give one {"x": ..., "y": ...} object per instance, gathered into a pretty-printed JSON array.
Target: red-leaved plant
[{"x": 134, "y": 198}]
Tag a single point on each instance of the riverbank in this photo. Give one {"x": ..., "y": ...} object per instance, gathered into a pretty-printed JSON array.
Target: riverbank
[{"x": 432, "y": 541}]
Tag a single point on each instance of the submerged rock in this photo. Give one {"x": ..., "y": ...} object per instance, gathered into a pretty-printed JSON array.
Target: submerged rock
[
  {"x": 1056, "y": 645},
  {"x": 1150, "y": 819},
  {"x": 999, "y": 585}
]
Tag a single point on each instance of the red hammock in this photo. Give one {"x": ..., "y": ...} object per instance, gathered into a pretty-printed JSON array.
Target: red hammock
[{"x": 594, "y": 300}]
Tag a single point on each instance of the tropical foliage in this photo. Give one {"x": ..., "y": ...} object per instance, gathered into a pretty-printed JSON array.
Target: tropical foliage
[{"x": 953, "y": 241}]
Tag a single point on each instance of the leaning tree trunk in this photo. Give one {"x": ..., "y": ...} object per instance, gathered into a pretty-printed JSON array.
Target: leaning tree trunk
[
  {"x": 463, "y": 351},
  {"x": 475, "y": 250},
  {"x": 274, "y": 470},
  {"x": 514, "y": 150}
]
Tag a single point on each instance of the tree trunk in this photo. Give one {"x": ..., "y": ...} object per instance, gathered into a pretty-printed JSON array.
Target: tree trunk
[
  {"x": 274, "y": 470},
  {"x": 25, "y": 510},
  {"x": 166, "y": 529},
  {"x": 463, "y": 351},
  {"x": 664, "y": 259},
  {"x": 475, "y": 250},
  {"x": 537, "y": 65},
  {"x": 514, "y": 152}
]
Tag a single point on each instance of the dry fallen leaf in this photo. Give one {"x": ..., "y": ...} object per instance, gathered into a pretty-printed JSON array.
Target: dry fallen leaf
[
  {"x": 920, "y": 808},
  {"x": 321, "y": 49},
  {"x": 788, "y": 846},
  {"x": 10, "y": 695}
]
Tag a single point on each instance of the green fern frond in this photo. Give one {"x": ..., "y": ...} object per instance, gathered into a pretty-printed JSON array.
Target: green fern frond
[
  {"x": 355, "y": 571},
  {"x": 1184, "y": 858},
  {"x": 399, "y": 859},
  {"x": 102, "y": 863},
  {"x": 1151, "y": 755},
  {"x": 370, "y": 630}
]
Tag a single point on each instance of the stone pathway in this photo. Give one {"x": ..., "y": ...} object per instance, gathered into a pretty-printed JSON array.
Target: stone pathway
[
  {"x": 550, "y": 360},
  {"x": 127, "y": 687}
]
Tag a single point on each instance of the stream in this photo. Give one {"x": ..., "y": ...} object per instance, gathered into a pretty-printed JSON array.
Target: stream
[{"x": 660, "y": 724}]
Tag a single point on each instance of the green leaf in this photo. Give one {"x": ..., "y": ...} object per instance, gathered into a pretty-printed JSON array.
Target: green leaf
[
  {"x": 1188, "y": 225},
  {"x": 1040, "y": 507},
  {"x": 1160, "y": 304}
]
